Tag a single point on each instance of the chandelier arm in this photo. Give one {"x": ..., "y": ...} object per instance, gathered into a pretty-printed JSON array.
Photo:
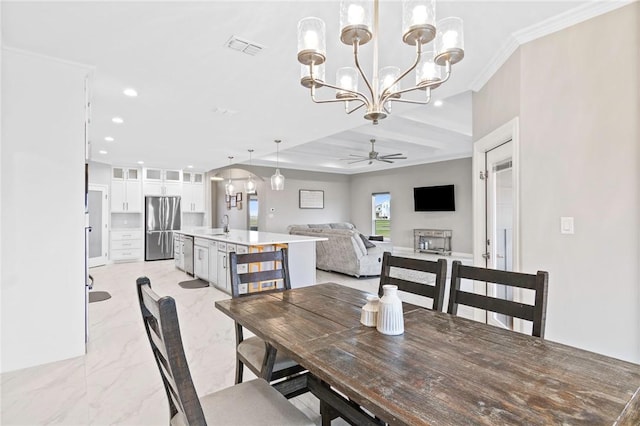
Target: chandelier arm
[
  {"x": 386, "y": 92},
  {"x": 359, "y": 96},
  {"x": 423, "y": 86},
  {"x": 327, "y": 101},
  {"x": 357, "y": 108},
  {"x": 364, "y": 76}
]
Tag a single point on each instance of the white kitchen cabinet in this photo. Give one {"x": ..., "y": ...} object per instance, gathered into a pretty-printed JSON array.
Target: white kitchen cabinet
[
  {"x": 126, "y": 190},
  {"x": 162, "y": 182},
  {"x": 201, "y": 258},
  {"x": 192, "y": 192},
  {"x": 213, "y": 262},
  {"x": 223, "y": 266},
  {"x": 178, "y": 250},
  {"x": 126, "y": 245}
]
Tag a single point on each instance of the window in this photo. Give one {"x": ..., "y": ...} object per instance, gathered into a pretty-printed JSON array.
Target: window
[{"x": 381, "y": 214}]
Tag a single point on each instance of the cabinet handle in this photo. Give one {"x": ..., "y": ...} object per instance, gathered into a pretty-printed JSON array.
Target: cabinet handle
[
  {"x": 224, "y": 262},
  {"x": 123, "y": 207}
]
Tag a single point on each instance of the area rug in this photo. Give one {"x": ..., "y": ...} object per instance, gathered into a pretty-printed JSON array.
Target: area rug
[
  {"x": 197, "y": 283},
  {"x": 98, "y": 296}
]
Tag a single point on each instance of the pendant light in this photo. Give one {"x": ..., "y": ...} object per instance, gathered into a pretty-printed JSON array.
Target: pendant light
[
  {"x": 229, "y": 189},
  {"x": 277, "y": 180},
  {"x": 250, "y": 186}
]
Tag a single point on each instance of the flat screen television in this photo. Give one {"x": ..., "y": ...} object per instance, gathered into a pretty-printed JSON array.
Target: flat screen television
[{"x": 434, "y": 199}]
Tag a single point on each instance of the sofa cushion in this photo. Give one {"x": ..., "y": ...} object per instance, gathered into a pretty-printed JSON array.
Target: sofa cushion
[
  {"x": 368, "y": 244},
  {"x": 342, "y": 225},
  {"x": 319, "y": 225}
]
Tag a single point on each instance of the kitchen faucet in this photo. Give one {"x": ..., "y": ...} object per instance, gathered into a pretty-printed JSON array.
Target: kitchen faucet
[{"x": 225, "y": 223}]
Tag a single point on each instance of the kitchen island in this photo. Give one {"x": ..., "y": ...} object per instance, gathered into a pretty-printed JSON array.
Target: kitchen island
[{"x": 211, "y": 247}]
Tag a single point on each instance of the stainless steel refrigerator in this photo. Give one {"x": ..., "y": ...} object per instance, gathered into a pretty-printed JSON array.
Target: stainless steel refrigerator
[{"x": 161, "y": 218}]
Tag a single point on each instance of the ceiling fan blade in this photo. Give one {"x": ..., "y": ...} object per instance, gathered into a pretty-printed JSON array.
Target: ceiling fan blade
[
  {"x": 358, "y": 161},
  {"x": 356, "y": 158},
  {"x": 385, "y": 160},
  {"x": 398, "y": 155}
]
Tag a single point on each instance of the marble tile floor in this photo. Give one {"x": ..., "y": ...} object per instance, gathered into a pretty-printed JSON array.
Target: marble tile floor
[{"x": 117, "y": 382}]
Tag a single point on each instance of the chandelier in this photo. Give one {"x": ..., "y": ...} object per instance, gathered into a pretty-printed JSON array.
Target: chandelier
[{"x": 359, "y": 25}]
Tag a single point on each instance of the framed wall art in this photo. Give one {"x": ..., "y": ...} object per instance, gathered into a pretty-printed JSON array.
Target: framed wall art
[{"x": 311, "y": 199}]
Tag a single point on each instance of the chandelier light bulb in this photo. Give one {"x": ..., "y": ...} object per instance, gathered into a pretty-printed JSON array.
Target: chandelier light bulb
[{"x": 419, "y": 15}]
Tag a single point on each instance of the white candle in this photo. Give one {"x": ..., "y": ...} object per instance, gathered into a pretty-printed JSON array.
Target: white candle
[
  {"x": 449, "y": 40},
  {"x": 346, "y": 82},
  {"x": 311, "y": 40},
  {"x": 419, "y": 15},
  {"x": 355, "y": 14}
]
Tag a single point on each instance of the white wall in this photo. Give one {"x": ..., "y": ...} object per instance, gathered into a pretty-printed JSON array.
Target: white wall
[
  {"x": 400, "y": 183},
  {"x": 580, "y": 157},
  {"x": 42, "y": 221}
]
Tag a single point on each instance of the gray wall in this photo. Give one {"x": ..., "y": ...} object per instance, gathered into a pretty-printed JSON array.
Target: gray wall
[
  {"x": 279, "y": 209},
  {"x": 580, "y": 157},
  {"x": 400, "y": 183}
]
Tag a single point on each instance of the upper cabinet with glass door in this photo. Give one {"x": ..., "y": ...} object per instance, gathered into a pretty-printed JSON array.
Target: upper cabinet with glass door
[
  {"x": 126, "y": 196},
  {"x": 162, "y": 182},
  {"x": 193, "y": 192}
]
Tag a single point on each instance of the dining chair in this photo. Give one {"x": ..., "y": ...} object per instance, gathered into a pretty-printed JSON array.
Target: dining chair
[
  {"x": 253, "y": 273},
  {"x": 538, "y": 282},
  {"x": 253, "y": 402},
  {"x": 404, "y": 268}
]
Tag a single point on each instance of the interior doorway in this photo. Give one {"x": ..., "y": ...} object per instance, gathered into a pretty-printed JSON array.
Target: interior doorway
[{"x": 98, "y": 207}]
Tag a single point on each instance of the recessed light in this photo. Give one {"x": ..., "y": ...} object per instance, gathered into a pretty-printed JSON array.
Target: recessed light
[
  {"x": 108, "y": 139},
  {"x": 117, "y": 120},
  {"x": 132, "y": 93},
  {"x": 140, "y": 162},
  {"x": 438, "y": 103},
  {"x": 189, "y": 167},
  {"x": 102, "y": 151}
]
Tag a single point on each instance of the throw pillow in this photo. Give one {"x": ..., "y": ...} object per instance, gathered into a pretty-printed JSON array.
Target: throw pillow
[{"x": 368, "y": 244}]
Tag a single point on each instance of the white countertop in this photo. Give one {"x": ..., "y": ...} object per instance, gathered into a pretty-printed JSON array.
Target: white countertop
[{"x": 242, "y": 236}]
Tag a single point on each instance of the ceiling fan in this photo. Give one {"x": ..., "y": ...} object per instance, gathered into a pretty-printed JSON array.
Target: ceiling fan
[{"x": 374, "y": 155}]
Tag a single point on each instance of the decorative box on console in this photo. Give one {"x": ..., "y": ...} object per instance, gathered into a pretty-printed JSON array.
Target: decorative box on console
[{"x": 432, "y": 241}]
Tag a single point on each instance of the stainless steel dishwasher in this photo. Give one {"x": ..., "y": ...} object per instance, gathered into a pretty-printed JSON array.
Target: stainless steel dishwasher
[{"x": 188, "y": 254}]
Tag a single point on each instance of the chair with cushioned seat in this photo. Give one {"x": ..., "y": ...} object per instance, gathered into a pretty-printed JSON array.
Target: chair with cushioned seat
[
  {"x": 253, "y": 273},
  {"x": 409, "y": 276},
  {"x": 538, "y": 282},
  {"x": 250, "y": 403}
]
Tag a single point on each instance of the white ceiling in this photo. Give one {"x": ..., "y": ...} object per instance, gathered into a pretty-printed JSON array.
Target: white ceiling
[{"x": 174, "y": 55}]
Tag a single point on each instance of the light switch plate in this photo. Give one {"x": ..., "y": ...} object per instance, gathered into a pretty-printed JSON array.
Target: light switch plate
[{"x": 566, "y": 225}]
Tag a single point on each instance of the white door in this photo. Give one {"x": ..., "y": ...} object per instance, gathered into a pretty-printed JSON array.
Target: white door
[
  {"x": 499, "y": 249},
  {"x": 496, "y": 213},
  {"x": 98, "y": 205}
]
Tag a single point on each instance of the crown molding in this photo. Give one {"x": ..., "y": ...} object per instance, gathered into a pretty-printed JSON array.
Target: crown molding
[{"x": 548, "y": 26}]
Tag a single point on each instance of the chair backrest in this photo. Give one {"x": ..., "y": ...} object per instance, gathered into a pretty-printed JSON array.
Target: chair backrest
[
  {"x": 259, "y": 271},
  {"x": 535, "y": 313},
  {"x": 435, "y": 292},
  {"x": 161, "y": 323}
]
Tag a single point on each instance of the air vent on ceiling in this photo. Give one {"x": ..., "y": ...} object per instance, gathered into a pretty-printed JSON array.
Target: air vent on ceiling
[{"x": 244, "y": 46}]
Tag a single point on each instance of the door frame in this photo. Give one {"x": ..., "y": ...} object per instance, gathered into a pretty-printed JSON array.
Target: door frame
[
  {"x": 508, "y": 131},
  {"x": 105, "y": 223}
]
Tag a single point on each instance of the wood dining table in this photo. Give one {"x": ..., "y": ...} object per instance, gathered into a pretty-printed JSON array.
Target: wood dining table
[{"x": 444, "y": 370}]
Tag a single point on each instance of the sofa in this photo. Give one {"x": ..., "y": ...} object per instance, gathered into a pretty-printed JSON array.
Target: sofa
[{"x": 346, "y": 250}]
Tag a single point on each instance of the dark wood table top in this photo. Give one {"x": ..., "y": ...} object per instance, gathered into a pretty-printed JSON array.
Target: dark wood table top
[{"x": 443, "y": 370}]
